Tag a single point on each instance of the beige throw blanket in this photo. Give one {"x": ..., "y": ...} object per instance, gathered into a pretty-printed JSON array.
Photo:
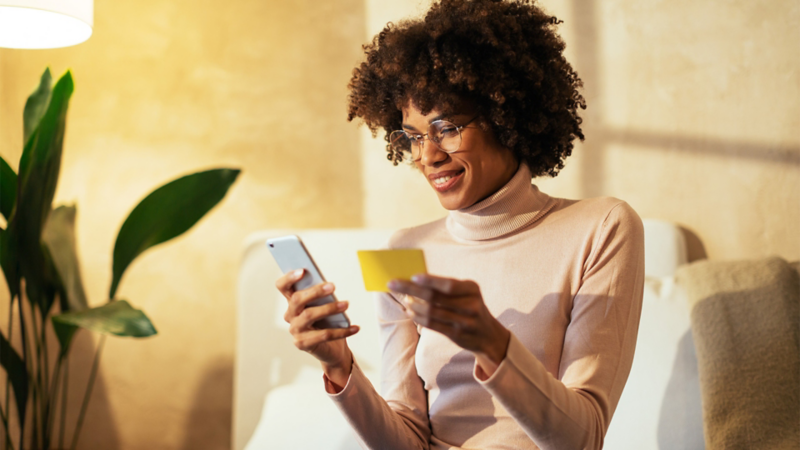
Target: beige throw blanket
[{"x": 746, "y": 326}]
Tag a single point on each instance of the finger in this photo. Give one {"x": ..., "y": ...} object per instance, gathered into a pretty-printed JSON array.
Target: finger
[
  {"x": 453, "y": 303},
  {"x": 300, "y": 299},
  {"x": 285, "y": 283},
  {"x": 433, "y": 312},
  {"x": 449, "y": 286},
  {"x": 450, "y": 329},
  {"x": 410, "y": 288},
  {"x": 456, "y": 331},
  {"x": 312, "y": 338},
  {"x": 420, "y": 308},
  {"x": 306, "y": 319}
]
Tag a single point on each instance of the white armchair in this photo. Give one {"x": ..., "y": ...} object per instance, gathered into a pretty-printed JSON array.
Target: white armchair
[{"x": 278, "y": 390}]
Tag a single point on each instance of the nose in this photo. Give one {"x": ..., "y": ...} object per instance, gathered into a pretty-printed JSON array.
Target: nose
[{"x": 430, "y": 153}]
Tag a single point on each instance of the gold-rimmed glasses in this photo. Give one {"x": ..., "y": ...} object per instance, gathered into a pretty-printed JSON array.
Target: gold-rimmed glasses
[{"x": 444, "y": 134}]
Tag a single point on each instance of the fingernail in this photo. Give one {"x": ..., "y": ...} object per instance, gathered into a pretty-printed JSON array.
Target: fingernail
[
  {"x": 394, "y": 284},
  {"x": 328, "y": 287},
  {"x": 417, "y": 278},
  {"x": 298, "y": 273},
  {"x": 354, "y": 328},
  {"x": 341, "y": 306}
]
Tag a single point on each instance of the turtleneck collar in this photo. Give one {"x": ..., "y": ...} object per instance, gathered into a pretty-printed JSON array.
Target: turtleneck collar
[{"x": 515, "y": 205}]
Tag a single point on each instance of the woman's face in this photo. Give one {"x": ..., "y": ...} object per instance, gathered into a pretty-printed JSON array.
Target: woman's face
[{"x": 475, "y": 171}]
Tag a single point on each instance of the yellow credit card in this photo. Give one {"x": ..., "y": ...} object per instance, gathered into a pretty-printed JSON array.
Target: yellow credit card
[{"x": 378, "y": 267}]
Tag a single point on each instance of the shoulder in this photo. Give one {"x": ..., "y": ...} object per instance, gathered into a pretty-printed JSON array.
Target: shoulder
[
  {"x": 616, "y": 229},
  {"x": 598, "y": 213},
  {"x": 615, "y": 212},
  {"x": 597, "y": 224},
  {"x": 417, "y": 235}
]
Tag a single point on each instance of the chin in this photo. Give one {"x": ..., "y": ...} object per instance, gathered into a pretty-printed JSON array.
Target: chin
[
  {"x": 452, "y": 203},
  {"x": 454, "y": 198}
]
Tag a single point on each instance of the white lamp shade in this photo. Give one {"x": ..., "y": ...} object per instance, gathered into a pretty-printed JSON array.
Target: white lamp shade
[{"x": 45, "y": 23}]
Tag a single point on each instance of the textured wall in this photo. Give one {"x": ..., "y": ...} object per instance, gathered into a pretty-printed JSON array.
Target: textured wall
[
  {"x": 165, "y": 88},
  {"x": 693, "y": 117}
]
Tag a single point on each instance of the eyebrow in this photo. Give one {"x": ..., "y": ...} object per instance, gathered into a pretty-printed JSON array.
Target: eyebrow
[{"x": 433, "y": 119}]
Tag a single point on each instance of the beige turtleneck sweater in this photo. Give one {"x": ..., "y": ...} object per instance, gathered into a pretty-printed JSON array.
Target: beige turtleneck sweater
[{"x": 564, "y": 276}]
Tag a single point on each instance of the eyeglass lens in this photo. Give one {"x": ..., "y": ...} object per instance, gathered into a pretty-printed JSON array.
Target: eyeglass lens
[{"x": 445, "y": 135}]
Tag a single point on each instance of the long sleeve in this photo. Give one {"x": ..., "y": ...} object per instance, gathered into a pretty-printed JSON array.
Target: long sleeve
[
  {"x": 399, "y": 419},
  {"x": 573, "y": 412}
]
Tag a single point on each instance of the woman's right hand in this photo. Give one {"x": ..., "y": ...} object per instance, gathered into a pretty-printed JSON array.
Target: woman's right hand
[{"x": 327, "y": 345}]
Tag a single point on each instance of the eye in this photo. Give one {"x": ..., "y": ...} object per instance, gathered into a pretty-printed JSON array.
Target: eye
[{"x": 449, "y": 131}]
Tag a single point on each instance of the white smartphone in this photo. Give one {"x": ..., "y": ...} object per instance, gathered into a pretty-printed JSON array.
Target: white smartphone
[{"x": 290, "y": 254}]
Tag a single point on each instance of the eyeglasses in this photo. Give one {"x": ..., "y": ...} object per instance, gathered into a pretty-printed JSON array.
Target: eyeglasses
[{"x": 445, "y": 135}]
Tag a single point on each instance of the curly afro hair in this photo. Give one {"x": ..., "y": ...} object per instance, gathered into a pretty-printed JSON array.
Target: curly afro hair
[{"x": 504, "y": 57}]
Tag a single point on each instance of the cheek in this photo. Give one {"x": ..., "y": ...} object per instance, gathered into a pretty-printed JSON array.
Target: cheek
[{"x": 490, "y": 173}]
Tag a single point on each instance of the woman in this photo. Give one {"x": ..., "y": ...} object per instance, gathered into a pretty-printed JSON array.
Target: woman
[{"x": 524, "y": 337}]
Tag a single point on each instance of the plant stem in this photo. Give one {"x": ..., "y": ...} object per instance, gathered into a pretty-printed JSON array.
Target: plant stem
[
  {"x": 64, "y": 402},
  {"x": 50, "y": 414},
  {"x": 92, "y": 375},
  {"x": 5, "y": 424},
  {"x": 8, "y": 378},
  {"x": 48, "y": 399},
  {"x": 39, "y": 396},
  {"x": 46, "y": 355},
  {"x": 25, "y": 353}
]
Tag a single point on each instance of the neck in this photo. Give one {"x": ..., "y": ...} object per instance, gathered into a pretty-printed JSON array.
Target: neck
[
  {"x": 512, "y": 170},
  {"x": 514, "y": 206}
]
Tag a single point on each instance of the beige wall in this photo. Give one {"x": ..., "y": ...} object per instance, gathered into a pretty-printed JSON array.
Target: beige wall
[
  {"x": 693, "y": 117},
  {"x": 165, "y": 88}
]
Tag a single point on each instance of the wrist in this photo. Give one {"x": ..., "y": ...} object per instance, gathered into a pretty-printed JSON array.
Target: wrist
[
  {"x": 489, "y": 360},
  {"x": 496, "y": 349},
  {"x": 339, "y": 372}
]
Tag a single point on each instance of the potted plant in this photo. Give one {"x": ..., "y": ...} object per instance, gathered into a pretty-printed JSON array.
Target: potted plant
[{"x": 40, "y": 264}]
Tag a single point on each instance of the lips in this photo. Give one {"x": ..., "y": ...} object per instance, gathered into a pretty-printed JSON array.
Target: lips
[{"x": 443, "y": 181}]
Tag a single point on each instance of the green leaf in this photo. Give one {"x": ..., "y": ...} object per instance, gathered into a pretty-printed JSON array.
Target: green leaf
[
  {"x": 168, "y": 212},
  {"x": 39, "y": 176},
  {"x": 59, "y": 237},
  {"x": 15, "y": 369},
  {"x": 9, "y": 247},
  {"x": 64, "y": 333},
  {"x": 36, "y": 185},
  {"x": 43, "y": 284},
  {"x": 8, "y": 264},
  {"x": 36, "y": 105},
  {"x": 118, "y": 318},
  {"x": 8, "y": 189}
]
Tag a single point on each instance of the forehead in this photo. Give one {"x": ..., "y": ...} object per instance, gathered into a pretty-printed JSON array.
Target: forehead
[
  {"x": 412, "y": 115},
  {"x": 451, "y": 108}
]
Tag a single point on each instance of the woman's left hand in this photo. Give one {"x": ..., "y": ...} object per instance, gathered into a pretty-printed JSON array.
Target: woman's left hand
[{"x": 456, "y": 309}]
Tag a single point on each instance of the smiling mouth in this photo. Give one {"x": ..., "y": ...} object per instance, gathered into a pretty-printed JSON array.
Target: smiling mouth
[{"x": 446, "y": 182}]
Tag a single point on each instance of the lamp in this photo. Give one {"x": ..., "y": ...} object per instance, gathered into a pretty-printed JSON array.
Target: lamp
[{"x": 45, "y": 23}]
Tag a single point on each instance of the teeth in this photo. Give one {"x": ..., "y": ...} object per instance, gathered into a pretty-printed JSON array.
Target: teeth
[{"x": 442, "y": 180}]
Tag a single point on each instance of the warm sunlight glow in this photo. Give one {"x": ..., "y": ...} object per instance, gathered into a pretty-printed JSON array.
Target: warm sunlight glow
[{"x": 30, "y": 28}]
